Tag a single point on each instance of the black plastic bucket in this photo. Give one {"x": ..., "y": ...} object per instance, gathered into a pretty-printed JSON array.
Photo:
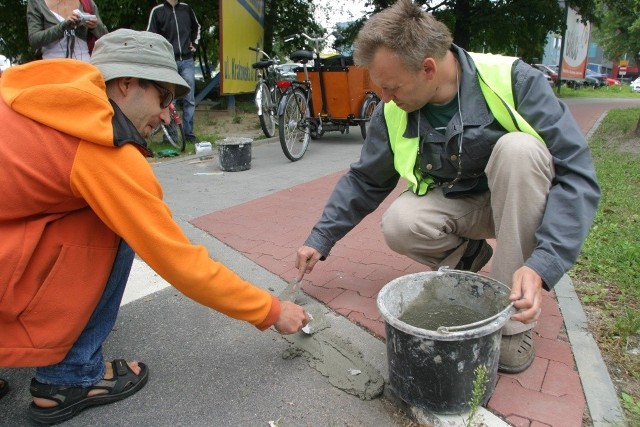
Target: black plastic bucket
[
  {"x": 234, "y": 154},
  {"x": 432, "y": 365}
]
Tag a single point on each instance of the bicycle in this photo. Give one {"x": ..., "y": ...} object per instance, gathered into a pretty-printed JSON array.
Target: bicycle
[
  {"x": 173, "y": 133},
  {"x": 346, "y": 98},
  {"x": 267, "y": 94}
]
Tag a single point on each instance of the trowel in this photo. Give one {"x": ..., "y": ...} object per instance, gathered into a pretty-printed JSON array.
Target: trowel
[
  {"x": 289, "y": 294},
  {"x": 291, "y": 291}
]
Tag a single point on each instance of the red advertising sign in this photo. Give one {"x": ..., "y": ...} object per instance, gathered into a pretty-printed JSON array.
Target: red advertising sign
[{"x": 576, "y": 47}]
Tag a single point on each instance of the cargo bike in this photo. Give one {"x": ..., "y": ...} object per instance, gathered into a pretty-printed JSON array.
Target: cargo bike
[{"x": 332, "y": 95}]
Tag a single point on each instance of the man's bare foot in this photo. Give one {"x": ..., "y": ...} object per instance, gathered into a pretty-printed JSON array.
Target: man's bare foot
[{"x": 108, "y": 375}]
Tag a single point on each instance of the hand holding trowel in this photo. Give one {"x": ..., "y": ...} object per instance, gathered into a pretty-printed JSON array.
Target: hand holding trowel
[{"x": 290, "y": 293}]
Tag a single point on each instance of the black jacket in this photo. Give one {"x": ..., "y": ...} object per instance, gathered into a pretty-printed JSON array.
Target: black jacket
[{"x": 178, "y": 25}]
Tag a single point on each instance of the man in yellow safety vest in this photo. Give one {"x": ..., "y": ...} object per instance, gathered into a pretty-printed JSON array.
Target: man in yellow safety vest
[{"x": 488, "y": 151}]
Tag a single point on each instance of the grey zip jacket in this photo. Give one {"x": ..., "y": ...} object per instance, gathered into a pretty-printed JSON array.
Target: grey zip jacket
[{"x": 573, "y": 198}]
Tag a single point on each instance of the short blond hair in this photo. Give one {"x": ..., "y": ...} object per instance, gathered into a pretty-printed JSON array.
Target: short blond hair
[{"x": 405, "y": 29}]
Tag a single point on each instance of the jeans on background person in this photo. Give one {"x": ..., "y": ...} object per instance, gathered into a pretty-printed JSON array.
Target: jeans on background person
[
  {"x": 186, "y": 69},
  {"x": 84, "y": 364}
]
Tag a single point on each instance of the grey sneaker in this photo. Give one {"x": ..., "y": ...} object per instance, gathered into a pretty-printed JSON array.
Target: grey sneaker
[
  {"x": 476, "y": 256},
  {"x": 516, "y": 352}
]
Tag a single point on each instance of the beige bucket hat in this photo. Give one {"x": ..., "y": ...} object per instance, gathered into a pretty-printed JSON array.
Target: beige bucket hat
[{"x": 140, "y": 54}]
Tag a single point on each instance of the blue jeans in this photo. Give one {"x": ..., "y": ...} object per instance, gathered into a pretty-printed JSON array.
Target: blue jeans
[
  {"x": 84, "y": 364},
  {"x": 187, "y": 69}
]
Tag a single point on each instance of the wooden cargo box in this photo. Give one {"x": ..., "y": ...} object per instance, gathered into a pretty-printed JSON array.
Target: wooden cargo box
[{"x": 345, "y": 90}]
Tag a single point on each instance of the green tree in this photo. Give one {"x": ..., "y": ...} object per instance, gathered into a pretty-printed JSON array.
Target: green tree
[
  {"x": 619, "y": 31},
  {"x": 283, "y": 17},
  {"x": 511, "y": 27},
  {"x": 13, "y": 34}
]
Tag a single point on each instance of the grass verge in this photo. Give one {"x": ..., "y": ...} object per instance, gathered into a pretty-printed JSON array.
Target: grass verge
[
  {"x": 606, "y": 275},
  {"x": 623, "y": 91}
]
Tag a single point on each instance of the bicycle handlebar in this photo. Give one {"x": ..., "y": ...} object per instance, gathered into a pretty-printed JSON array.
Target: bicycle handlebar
[
  {"x": 315, "y": 40},
  {"x": 263, "y": 53}
]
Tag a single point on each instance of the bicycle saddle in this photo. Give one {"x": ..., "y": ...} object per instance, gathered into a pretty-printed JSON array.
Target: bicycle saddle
[
  {"x": 263, "y": 64},
  {"x": 301, "y": 56}
]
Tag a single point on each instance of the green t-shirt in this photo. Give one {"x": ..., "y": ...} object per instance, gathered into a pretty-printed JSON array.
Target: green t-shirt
[{"x": 439, "y": 116}]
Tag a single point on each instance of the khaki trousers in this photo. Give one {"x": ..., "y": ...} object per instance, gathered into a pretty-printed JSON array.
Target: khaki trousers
[{"x": 434, "y": 230}]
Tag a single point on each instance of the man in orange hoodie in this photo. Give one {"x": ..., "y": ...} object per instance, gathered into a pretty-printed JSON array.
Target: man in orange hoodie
[{"x": 78, "y": 199}]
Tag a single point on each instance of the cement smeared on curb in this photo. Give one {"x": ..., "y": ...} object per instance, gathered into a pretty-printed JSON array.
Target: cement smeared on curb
[{"x": 335, "y": 358}]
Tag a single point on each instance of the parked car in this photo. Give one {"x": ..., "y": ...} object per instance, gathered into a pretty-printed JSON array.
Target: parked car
[
  {"x": 594, "y": 82},
  {"x": 288, "y": 71},
  {"x": 635, "y": 85},
  {"x": 549, "y": 71},
  {"x": 613, "y": 82},
  {"x": 594, "y": 79},
  {"x": 574, "y": 83},
  {"x": 198, "y": 71}
]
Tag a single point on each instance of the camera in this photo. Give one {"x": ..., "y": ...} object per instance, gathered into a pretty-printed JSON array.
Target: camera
[{"x": 84, "y": 17}]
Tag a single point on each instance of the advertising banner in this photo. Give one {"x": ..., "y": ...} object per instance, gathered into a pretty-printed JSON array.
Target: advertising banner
[
  {"x": 576, "y": 47},
  {"x": 242, "y": 25}
]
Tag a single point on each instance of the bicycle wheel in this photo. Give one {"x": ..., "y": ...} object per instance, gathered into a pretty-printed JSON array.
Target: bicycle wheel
[
  {"x": 268, "y": 116},
  {"x": 368, "y": 105},
  {"x": 294, "y": 125},
  {"x": 174, "y": 134}
]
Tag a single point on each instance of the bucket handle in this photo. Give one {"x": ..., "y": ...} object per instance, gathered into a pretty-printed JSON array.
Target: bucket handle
[{"x": 449, "y": 329}]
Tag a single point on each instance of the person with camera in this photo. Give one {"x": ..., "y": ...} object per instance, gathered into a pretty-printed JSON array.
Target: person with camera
[
  {"x": 78, "y": 199},
  {"x": 487, "y": 151},
  {"x": 63, "y": 28}
]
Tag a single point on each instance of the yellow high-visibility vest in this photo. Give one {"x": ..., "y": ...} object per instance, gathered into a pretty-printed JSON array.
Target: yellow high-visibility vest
[{"x": 494, "y": 76}]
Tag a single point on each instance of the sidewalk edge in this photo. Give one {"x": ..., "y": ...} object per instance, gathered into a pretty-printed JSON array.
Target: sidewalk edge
[{"x": 599, "y": 391}]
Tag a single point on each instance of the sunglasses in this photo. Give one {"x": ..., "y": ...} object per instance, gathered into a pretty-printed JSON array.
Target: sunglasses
[{"x": 166, "y": 96}]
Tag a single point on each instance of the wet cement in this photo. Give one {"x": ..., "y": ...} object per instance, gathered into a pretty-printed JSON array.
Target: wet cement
[
  {"x": 334, "y": 357},
  {"x": 445, "y": 300},
  {"x": 432, "y": 315}
]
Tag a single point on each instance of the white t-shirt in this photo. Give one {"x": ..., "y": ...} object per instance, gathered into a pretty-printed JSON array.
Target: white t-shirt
[{"x": 58, "y": 48}]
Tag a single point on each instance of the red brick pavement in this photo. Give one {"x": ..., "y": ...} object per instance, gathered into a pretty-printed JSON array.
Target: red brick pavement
[{"x": 269, "y": 230}]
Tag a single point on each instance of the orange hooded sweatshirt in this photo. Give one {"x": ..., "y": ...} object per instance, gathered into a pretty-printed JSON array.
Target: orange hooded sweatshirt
[{"x": 73, "y": 181}]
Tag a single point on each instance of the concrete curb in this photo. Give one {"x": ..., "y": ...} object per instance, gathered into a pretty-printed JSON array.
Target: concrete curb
[{"x": 601, "y": 396}]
